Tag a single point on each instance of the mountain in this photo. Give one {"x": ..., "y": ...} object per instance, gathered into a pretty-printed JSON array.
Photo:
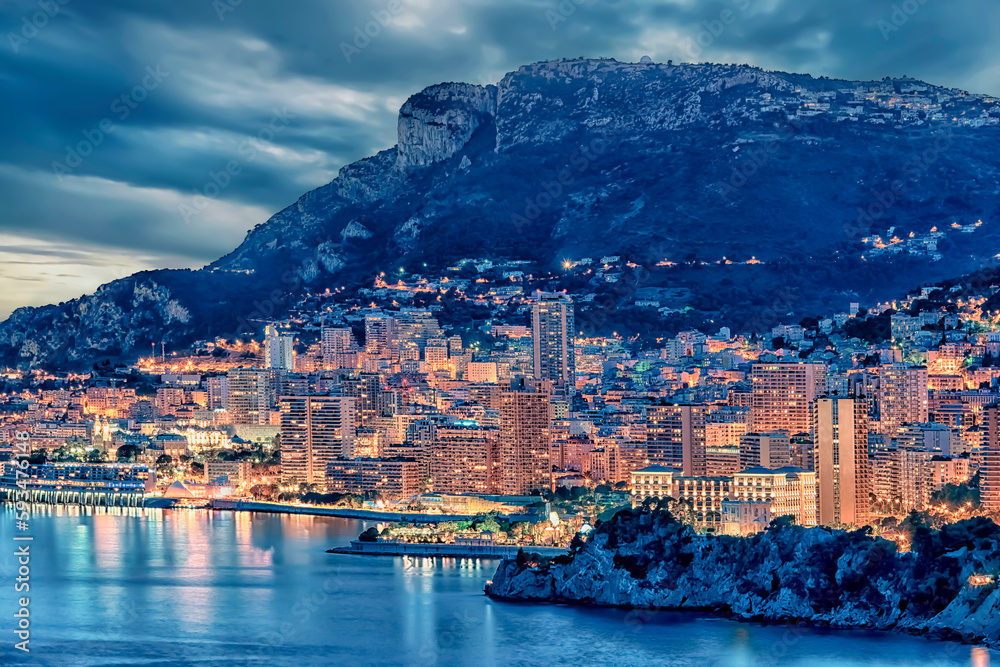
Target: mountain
[{"x": 768, "y": 195}]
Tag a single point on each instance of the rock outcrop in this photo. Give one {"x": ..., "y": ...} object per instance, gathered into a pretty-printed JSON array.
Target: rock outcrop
[
  {"x": 818, "y": 575},
  {"x": 437, "y": 123}
]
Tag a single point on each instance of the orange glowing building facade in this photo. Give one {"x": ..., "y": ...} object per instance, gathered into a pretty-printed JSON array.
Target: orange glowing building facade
[
  {"x": 841, "y": 439},
  {"x": 781, "y": 394}
]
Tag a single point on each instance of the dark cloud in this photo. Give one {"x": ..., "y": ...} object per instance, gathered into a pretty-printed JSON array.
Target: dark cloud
[{"x": 182, "y": 85}]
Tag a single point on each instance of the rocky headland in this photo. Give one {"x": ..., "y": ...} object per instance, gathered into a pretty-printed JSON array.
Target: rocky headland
[{"x": 944, "y": 586}]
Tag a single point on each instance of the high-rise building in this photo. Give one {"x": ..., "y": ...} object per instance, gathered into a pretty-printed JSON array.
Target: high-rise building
[
  {"x": 414, "y": 327},
  {"x": 336, "y": 346},
  {"x": 781, "y": 394},
  {"x": 929, "y": 437},
  {"x": 525, "y": 441},
  {"x": 248, "y": 399},
  {"x": 278, "y": 350},
  {"x": 884, "y": 464},
  {"x": 675, "y": 437},
  {"x": 840, "y": 433},
  {"x": 380, "y": 335},
  {"x": 902, "y": 396},
  {"x": 553, "y": 325},
  {"x": 392, "y": 478},
  {"x": 768, "y": 450},
  {"x": 802, "y": 453},
  {"x": 465, "y": 459},
  {"x": 436, "y": 353},
  {"x": 314, "y": 431},
  {"x": 482, "y": 372},
  {"x": 218, "y": 389},
  {"x": 631, "y": 456},
  {"x": 602, "y": 464},
  {"x": 989, "y": 472},
  {"x": 372, "y": 400},
  {"x": 722, "y": 448},
  {"x": 989, "y": 459}
]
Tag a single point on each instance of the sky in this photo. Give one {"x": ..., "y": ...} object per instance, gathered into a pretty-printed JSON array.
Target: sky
[{"x": 156, "y": 133}]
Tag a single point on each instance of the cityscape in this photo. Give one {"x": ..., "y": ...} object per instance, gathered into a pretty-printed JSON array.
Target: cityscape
[{"x": 637, "y": 360}]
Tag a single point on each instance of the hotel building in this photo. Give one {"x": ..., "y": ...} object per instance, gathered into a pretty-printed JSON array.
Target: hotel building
[{"x": 788, "y": 491}]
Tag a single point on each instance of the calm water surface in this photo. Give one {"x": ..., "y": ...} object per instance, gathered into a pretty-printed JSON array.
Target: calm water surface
[{"x": 183, "y": 587}]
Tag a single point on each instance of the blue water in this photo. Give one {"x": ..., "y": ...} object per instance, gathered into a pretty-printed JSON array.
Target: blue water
[{"x": 184, "y": 587}]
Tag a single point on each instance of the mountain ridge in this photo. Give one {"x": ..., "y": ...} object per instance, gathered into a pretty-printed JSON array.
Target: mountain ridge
[{"x": 737, "y": 183}]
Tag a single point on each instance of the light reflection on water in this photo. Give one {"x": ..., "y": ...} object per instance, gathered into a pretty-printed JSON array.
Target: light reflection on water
[{"x": 126, "y": 586}]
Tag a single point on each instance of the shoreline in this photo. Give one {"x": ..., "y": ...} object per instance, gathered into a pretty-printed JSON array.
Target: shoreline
[
  {"x": 930, "y": 634},
  {"x": 155, "y": 502}
]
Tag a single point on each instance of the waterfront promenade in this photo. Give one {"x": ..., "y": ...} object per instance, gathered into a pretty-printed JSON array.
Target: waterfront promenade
[{"x": 348, "y": 513}]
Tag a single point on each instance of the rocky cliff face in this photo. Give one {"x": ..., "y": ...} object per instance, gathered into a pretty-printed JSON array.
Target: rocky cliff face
[
  {"x": 760, "y": 190},
  {"x": 437, "y": 123},
  {"x": 817, "y": 575}
]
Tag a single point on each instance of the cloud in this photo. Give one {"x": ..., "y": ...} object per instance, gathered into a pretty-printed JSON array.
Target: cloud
[
  {"x": 35, "y": 272},
  {"x": 228, "y": 73}
]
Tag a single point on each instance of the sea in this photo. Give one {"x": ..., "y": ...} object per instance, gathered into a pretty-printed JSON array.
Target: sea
[{"x": 170, "y": 587}]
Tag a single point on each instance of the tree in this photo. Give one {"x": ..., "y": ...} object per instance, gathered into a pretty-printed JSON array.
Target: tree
[
  {"x": 62, "y": 454},
  {"x": 127, "y": 453},
  {"x": 956, "y": 495},
  {"x": 783, "y": 521},
  {"x": 163, "y": 459},
  {"x": 263, "y": 491},
  {"x": 487, "y": 523}
]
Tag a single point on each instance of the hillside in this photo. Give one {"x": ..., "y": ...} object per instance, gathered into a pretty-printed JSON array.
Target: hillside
[{"x": 757, "y": 190}]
